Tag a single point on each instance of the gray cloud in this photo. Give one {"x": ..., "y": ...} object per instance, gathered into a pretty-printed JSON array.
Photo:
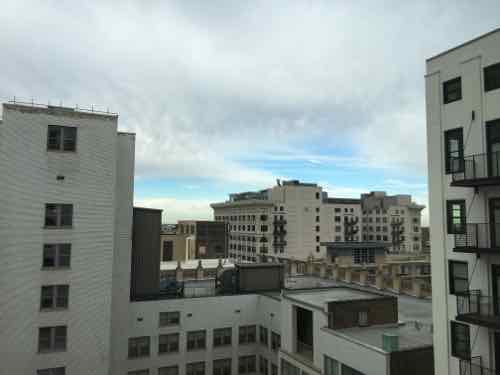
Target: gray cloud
[{"x": 208, "y": 84}]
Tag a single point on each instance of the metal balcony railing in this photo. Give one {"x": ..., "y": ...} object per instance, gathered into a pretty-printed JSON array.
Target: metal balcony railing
[
  {"x": 476, "y": 308},
  {"x": 278, "y": 221},
  {"x": 305, "y": 350},
  {"x": 279, "y": 243},
  {"x": 477, "y": 237},
  {"x": 476, "y": 167},
  {"x": 278, "y": 232},
  {"x": 474, "y": 367}
]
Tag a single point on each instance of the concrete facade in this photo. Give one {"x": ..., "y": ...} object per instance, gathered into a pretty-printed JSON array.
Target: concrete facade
[{"x": 469, "y": 109}]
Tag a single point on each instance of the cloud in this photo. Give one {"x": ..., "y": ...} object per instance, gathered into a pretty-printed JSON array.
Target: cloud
[{"x": 178, "y": 209}]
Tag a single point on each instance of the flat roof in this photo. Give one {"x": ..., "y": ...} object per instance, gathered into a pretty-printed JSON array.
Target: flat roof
[
  {"x": 343, "y": 201},
  {"x": 463, "y": 44},
  {"x": 410, "y": 335},
  {"x": 319, "y": 297}
]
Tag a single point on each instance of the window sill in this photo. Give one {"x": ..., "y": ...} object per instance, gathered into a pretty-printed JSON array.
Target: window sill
[
  {"x": 139, "y": 357},
  {"x": 55, "y": 268},
  {"x": 196, "y": 349},
  {"x": 62, "y": 151},
  {"x": 167, "y": 353},
  {"x": 54, "y": 227},
  {"x": 53, "y": 309},
  {"x": 48, "y": 351}
]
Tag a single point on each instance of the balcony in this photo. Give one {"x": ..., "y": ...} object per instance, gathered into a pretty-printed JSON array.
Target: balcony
[
  {"x": 477, "y": 170},
  {"x": 278, "y": 232},
  {"x": 278, "y": 221},
  {"x": 474, "y": 366},
  {"x": 475, "y": 308},
  {"x": 479, "y": 238}
]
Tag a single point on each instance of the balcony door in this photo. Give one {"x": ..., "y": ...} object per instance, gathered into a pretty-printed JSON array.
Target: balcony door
[
  {"x": 495, "y": 280},
  {"x": 493, "y": 147}
]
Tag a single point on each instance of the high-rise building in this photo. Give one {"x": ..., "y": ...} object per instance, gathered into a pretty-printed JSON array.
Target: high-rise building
[
  {"x": 463, "y": 143},
  {"x": 292, "y": 219},
  {"x": 65, "y": 193}
]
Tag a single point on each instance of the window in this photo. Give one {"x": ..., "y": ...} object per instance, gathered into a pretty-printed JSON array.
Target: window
[
  {"x": 317, "y": 195},
  {"x": 138, "y": 347},
  {"x": 452, "y": 90},
  {"x": 364, "y": 256},
  {"x": 196, "y": 340},
  {"x": 274, "y": 369},
  {"x": 54, "y": 297},
  {"x": 337, "y": 219},
  {"x": 52, "y": 339},
  {"x": 492, "y": 77},
  {"x": 246, "y": 364},
  {"x": 331, "y": 366},
  {"x": 275, "y": 341},
  {"x": 263, "y": 335},
  {"x": 338, "y": 228},
  {"x": 56, "y": 255},
  {"x": 317, "y": 239},
  {"x": 195, "y": 368},
  {"x": 222, "y": 366},
  {"x": 455, "y": 211},
  {"x": 61, "y": 138},
  {"x": 247, "y": 334},
  {"x": 362, "y": 318},
  {"x": 168, "y": 370},
  {"x": 52, "y": 371},
  {"x": 317, "y": 228},
  {"x": 454, "y": 150},
  {"x": 169, "y": 318},
  {"x": 58, "y": 215},
  {"x": 337, "y": 209},
  {"x": 168, "y": 251},
  {"x": 460, "y": 340},
  {"x": 168, "y": 343},
  {"x": 222, "y": 336},
  {"x": 139, "y": 372},
  {"x": 459, "y": 279},
  {"x": 263, "y": 365}
]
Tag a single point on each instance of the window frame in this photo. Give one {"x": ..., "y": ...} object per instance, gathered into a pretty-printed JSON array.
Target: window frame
[
  {"x": 451, "y": 227},
  {"x": 222, "y": 334},
  {"x": 466, "y": 340},
  {"x": 65, "y": 135},
  {"x": 58, "y": 250},
  {"x": 168, "y": 321},
  {"x": 61, "y": 370},
  {"x": 221, "y": 366},
  {"x": 245, "y": 334},
  {"x": 193, "y": 368},
  {"x": 446, "y": 90},
  {"x": 56, "y": 294},
  {"x": 248, "y": 362},
  {"x": 450, "y": 135},
  {"x": 164, "y": 370},
  {"x": 58, "y": 215},
  {"x": 489, "y": 70},
  {"x": 135, "y": 344},
  {"x": 195, "y": 338},
  {"x": 453, "y": 278},
  {"x": 171, "y": 340},
  {"x": 263, "y": 336},
  {"x": 52, "y": 339}
]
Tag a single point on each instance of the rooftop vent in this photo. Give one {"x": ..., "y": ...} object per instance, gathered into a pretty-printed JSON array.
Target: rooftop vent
[{"x": 390, "y": 342}]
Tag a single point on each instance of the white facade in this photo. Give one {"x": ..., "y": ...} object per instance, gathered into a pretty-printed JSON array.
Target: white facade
[
  {"x": 31, "y": 177},
  {"x": 469, "y": 110},
  {"x": 292, "y": 219}
]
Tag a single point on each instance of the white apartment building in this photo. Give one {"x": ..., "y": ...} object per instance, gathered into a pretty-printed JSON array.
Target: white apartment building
[
  {"x": 292, "y": 219},
  {"x": 463, "y": 137},
  {"x": 65, "y": 184}
]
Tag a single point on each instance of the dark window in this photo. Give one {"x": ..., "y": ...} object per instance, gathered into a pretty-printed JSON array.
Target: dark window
[
  {"x": 459, "y": 279},
  {"x": 52, "y": 371},
  {"x": 247, "y": 334},
  {"x": 168, "y": 251},
  {"x": 263, "y": 335},
  {"x": 275, "y": 341},
  {"x": 452, "y": 90},
  {"x": 138, "y": 347},
  {"x": 61, "y": 138},
  {"x": 222, "y": 366},
  {"x": 337, "y": 209},
  {"x": 263, "y": 365},
  {"x": 54, "y": 297},
  {"x": 196, "y": 368},
  {"x": 274, "y": 369},
  {"x": 492, "y": 77},
  {"x": 317, "y": 195},
  {"x": 247, "y": 364},
  {"x": 169, "y": 318},
  {"x": 455, "y": 216},
  {"x": 58, "y": 215},
  {"x": 168, "y": 370},
  {"x": 168, "y": 343},
  {"x": 317, "y": 228},
  {"x": 460, "y": 340},
  {"x": 222, "y": 336},
  {"x": 52, "y": 339},
  {"x": 196, "y": 340},
  {"x": 139, "y": 372},
  {"x": 56, "y": 255},
  {"x": 454, "y": 150}
]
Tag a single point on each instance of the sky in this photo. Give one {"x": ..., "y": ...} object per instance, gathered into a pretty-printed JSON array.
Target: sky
[{"x": 228, "y": 96}]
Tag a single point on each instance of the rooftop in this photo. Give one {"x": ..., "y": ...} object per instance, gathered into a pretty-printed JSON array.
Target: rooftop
[
  {"x": 193, "y": 264},
  {"x": 411, "y": 335},
  {"x": 33, "y": 107},
  {"x": 343, "y": 201},
  {"x": 318, "y": 298},
  {"x": 354, "y": 245}
]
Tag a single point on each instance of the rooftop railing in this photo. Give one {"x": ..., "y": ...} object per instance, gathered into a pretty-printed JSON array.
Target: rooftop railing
[{"x": 476, "y": 167}]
